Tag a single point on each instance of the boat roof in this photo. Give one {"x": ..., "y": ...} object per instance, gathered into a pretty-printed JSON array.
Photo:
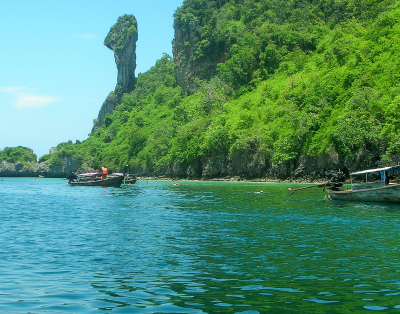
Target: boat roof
[
  {"x": 91, "y": 174},
  {"x": 392, "y": 169}
]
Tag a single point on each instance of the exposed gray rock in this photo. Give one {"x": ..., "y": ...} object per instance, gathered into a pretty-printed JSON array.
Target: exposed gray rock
[
  {"x": 122, "y": 40},
  {"x": 19, "y": 169},
  {"x": 34, "y": 169},
  {"x": 53, "y": 150},
  {"x": 256, "y": 167},
  {"x": 108, "y": 106},
  {"x": 194, "y": 58}
]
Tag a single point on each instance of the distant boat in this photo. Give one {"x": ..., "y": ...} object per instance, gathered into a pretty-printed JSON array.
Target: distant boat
[
  {"x": 128, "y": 178},
  {"x": 96, "y": 179},
  {"x": 373, "y": 185}
]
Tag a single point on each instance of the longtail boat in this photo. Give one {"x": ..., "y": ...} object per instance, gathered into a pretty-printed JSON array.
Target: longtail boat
[
  {"x": 372, "y": 185},
  {"x": 96, "y": 179},
  {"x": 128, "y": 178}
]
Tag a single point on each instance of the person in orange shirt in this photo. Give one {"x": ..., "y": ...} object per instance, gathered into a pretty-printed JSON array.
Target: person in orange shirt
[{"x": 104, "y": 171}]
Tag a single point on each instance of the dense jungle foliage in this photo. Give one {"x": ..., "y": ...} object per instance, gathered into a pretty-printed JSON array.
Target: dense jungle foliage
[
  {"x": 17, "y": 154},
  {"x": 302, "y": 77}
]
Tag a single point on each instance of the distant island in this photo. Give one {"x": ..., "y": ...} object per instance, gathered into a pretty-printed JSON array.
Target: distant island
[
  {"x": 255, "y": 90},
  {"x": 22, "y": 162}
]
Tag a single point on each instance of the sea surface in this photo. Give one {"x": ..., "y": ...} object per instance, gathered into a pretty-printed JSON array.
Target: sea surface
[{"x": 198, "y": 247}]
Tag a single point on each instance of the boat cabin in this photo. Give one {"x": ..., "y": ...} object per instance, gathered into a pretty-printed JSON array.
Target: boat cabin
[
  {"x": 93, "y": 176},
  {"x": 374, "y": 178}
]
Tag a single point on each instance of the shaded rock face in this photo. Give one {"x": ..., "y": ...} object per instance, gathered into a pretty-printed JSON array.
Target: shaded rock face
[
  {"x": 60, "y": 171},
  {"x": 194, "y": 59},
  {"x": 34, "y": 169},
  {"x": 256, "y": 167},
  {"x": 18, "y": 169},
  {"x": 184, "y": 73},
  {"x": 122, "y": 40},
  {"x": 108, "y": 106}
]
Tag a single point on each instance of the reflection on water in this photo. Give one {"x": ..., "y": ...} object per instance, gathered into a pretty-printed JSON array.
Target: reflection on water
[{"x": 199, "y": 247}]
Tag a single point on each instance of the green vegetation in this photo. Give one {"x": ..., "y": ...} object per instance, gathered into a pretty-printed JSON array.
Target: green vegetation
[
  {"x": 301, "y": 77},
  {"x": 17, "y": 154},
  {"x": 125, "y": 27}
]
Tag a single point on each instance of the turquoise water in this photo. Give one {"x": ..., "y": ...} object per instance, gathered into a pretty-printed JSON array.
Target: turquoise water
[{"x": 199, "y": 247}]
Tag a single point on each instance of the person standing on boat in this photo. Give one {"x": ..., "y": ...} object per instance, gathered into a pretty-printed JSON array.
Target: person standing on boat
[
  {"x": 104, "y": 171},
  {"x": 385, "y": 177},
  {"x": 72, "y": 177}
]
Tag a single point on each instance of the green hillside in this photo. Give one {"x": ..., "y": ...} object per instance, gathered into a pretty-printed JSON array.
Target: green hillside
[
  {"x": 299, "y": 78},
  {"x": 17, "y": 154}
]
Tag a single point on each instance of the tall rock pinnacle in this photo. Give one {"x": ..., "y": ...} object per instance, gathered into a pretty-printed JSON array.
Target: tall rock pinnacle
[{"x": 121, "y": 39}]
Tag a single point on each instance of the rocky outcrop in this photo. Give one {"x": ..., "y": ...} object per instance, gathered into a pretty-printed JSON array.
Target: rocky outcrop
[
  {"x": 28, "y": 169},
  {"x": 122, "y": 40},
  {"x": 61, "y": 170},
  {"x": 34, "y": 169},
  {"x": 194, "y": 58},
  {"x": 243, "y": 167},
  {"x": 108, "y": 107}
]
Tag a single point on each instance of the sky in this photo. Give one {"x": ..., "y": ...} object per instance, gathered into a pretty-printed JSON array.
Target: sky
[{"x": 55, "y": 71}]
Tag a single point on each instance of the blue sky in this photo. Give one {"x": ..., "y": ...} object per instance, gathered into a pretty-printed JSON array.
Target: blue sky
[{"x": 56, "y": 71}]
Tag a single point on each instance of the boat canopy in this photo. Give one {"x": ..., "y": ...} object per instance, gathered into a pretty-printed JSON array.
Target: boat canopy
[
  {"x": 90, "y": 174},
  {"x": 390, "y": 170}
]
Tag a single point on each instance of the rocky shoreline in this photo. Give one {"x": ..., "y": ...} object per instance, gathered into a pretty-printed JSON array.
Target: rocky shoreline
[
  {"x": 35, "y": 169},
  {"x": 306, "y": 169}
]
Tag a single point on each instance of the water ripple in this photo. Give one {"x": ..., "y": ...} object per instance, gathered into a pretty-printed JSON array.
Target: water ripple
[{"x": 200, "y": 247}]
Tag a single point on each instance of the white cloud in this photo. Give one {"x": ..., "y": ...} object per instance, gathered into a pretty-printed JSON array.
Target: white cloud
[
  {"x": 24, "y": 98},
  {"x": 14, "y": 89},
  {"x": 33, "y": 101}
]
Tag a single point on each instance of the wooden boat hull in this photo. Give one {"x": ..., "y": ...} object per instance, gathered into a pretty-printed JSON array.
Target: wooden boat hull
[
  {"x": 385, "y": 194},
  {"x": 129, "y": 181},
  {"x": 110, "y": 181}
]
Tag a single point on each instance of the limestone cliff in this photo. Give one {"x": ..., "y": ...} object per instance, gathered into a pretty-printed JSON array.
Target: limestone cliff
[
  {"x": 246, "y": 167},
  {"x": 34, "y": 169},
  {"x": 121, "y": 39},
  {"x": 108, "y": 106},
  {"x": 195, "y": 56}
]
